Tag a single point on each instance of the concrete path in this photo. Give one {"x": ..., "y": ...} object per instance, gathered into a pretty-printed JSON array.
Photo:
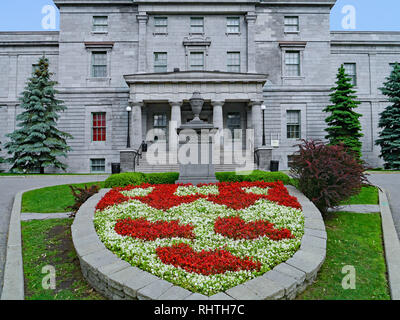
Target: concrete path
[
  {"x": 9, "y": 186},
  {"x": 359, "y": 208},
  {"x": 44, "y": 216},
  {"x": 391, "y": 183}
]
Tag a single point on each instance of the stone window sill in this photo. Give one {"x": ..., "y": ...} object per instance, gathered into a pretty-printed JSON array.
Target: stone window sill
[{"x": 233, "y": 33}]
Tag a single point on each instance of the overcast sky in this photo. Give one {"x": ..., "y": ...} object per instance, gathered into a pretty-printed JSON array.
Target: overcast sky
[{"x": 375, "y": 15}]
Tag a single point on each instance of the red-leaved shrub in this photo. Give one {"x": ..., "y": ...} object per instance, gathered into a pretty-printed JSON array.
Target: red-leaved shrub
[{"x": 327, "y": 174}]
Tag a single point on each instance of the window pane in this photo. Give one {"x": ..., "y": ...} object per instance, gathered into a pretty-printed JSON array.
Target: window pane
[
  {"x": 233, "y": 25},
  {"x": 351, "y": 71},
  {"x": 99, "y": 64},
  {"x": 160, "y": 62},
  {"x": 161, "y": 24},
  {"x": 196, "y": 60},
  {"x": 292, "y": 62},
  {"x": 98, "y": 165},
  {"x": 291, "y": 24},
  {"x": 233, "y": 62},
  {"x": 99, "y": 129},
  {"x": 100, "y": 24},
  {"x": 197, "y": 25},
  {"x": 293, "y": 124}
]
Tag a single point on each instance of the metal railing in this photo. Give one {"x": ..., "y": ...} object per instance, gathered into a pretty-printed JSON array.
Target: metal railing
[{"x": 138, "y": 155}]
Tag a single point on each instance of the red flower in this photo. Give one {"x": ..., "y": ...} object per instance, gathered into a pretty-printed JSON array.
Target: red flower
[
  {"x": 230, "y": 194},
  {"x": 236, "y": 228},
  {"x": 150, "y": 231},
  {"x": 205, "y": 262}
]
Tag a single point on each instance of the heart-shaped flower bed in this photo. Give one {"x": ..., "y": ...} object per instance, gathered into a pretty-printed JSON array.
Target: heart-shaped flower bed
[{"x": 205, "y": 238}]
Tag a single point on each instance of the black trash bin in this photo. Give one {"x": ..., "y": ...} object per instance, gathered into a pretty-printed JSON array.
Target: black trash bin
[
  {"x": 274, "y": 166},
  {"x": 115, "y": 168}
]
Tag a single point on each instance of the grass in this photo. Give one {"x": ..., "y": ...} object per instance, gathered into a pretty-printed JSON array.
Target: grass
[
  {"x": 368, "y": 195},
  {"x": 353, "y": 239},
  {"x": 51, "y": 199},
  {"x": 47, "y": 243}
]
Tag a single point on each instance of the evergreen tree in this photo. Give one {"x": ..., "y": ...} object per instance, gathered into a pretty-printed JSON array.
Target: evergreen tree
[
  {"x": 1, "y": 159},
  {"x": 389, "y": 137},
  {"x": 37, "y": 143},
  {"x": 343, "y": 122}
]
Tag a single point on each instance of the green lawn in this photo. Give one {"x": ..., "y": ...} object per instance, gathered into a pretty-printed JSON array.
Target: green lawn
[
  {"x": 51, "y": 199},
  {"x": 46, "y": 243},
  {"x": 353, "y": 239},
  {"x": 368, "y": 195}
]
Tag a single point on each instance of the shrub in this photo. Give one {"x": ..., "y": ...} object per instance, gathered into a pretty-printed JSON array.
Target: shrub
[
  {"x": 81, "y": 195},
  {"x": 327, "y": 174},
  {"x": 137, "y": 178},
  {"x": 256, "y": 175},
  {"x": 162, "y": 178},
  {"x": 125, "y": 179}
]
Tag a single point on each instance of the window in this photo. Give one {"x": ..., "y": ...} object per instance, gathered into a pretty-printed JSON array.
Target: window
[
  {"x": 233, "y": 63},
  {"x": 351, "y": 72},
  {"x": 290, "y": 160},
  {"x": 197, "y": 25},
  {"x": 160, "y": 62},
  {"x": 97, "y": 165},
  {"x": 233, "y": 25},
  {"x": 160, "y": 124},
  {"x": 99, "y": 64},
  {"x": 233, "y": 122},
  {"x": 292, "y": 63},
  {"x": 35, "y": 67},
  {"x": 99, "y": 128},
  {"x": 197, "y": 61},
  {"x": 292, "y": 24},
  {"x": 293, "y": 124},
  {"x": 100, "y": 24},
  {"x": 161, "y": 25}
]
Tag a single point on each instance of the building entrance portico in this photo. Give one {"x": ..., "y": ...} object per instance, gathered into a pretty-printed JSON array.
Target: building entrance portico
[{"x": 232, "y": 100}]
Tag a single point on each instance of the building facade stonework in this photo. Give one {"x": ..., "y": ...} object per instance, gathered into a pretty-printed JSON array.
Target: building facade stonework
[{"x": 152, "y": 55}]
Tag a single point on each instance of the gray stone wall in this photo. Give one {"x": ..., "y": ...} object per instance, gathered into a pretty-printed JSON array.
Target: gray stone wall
[{"x": 322, "y": 51}]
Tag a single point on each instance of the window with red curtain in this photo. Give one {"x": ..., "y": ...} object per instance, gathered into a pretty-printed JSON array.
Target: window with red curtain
[{"x": 99, "y": 126}]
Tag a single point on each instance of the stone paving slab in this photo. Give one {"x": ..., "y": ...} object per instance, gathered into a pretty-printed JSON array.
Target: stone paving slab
[
  {"x": 44, "y": 216},
  {"x": 116, "y": 279},
  {"x": 358, "y": 208}
]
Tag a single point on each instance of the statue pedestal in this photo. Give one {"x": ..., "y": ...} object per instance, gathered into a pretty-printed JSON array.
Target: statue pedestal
[{"x": 197, "y": 153}]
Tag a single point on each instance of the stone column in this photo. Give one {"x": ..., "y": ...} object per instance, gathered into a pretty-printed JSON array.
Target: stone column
[
  {"x": 218, "y": 115},
  {"x": 176, "y": 121},
  {"x": 176, "y": 112},
  {"x": 137, "y": 135},
  {"x": 142, "y": 18},
  {"x": 256, "y": 117},
  {"x": 251, "y": 18}
]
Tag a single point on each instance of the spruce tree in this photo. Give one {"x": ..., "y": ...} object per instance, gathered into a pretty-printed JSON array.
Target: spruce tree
[
  {"x": 344, "y": 125},
  {"x": 389, "y": 137},
  {"x": 37, "y": 143}
]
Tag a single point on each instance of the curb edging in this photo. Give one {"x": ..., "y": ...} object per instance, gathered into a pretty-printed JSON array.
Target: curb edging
[
  {"x": 118, "y": 280},
  {"x": 391, "y": 244},
  {"x": 13, "y": 285}
]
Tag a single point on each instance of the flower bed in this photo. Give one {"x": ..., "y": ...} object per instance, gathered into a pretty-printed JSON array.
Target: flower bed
[{"x": 206, "y": 239}]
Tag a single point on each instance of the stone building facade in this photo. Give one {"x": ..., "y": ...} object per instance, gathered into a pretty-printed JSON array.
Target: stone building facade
[{"x": 242, "y": 56}]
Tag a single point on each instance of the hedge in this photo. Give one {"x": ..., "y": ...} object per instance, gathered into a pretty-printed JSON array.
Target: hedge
[
  {"x": 137, "y": 178},
  {"x": 256, "y": 175}
]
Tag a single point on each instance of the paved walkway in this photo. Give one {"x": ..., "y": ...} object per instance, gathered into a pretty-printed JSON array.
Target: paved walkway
[
  {"x": 9, "y": 186},
  {"x": 391, "y": 183},
  {"x": 359, "y": 208}
]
